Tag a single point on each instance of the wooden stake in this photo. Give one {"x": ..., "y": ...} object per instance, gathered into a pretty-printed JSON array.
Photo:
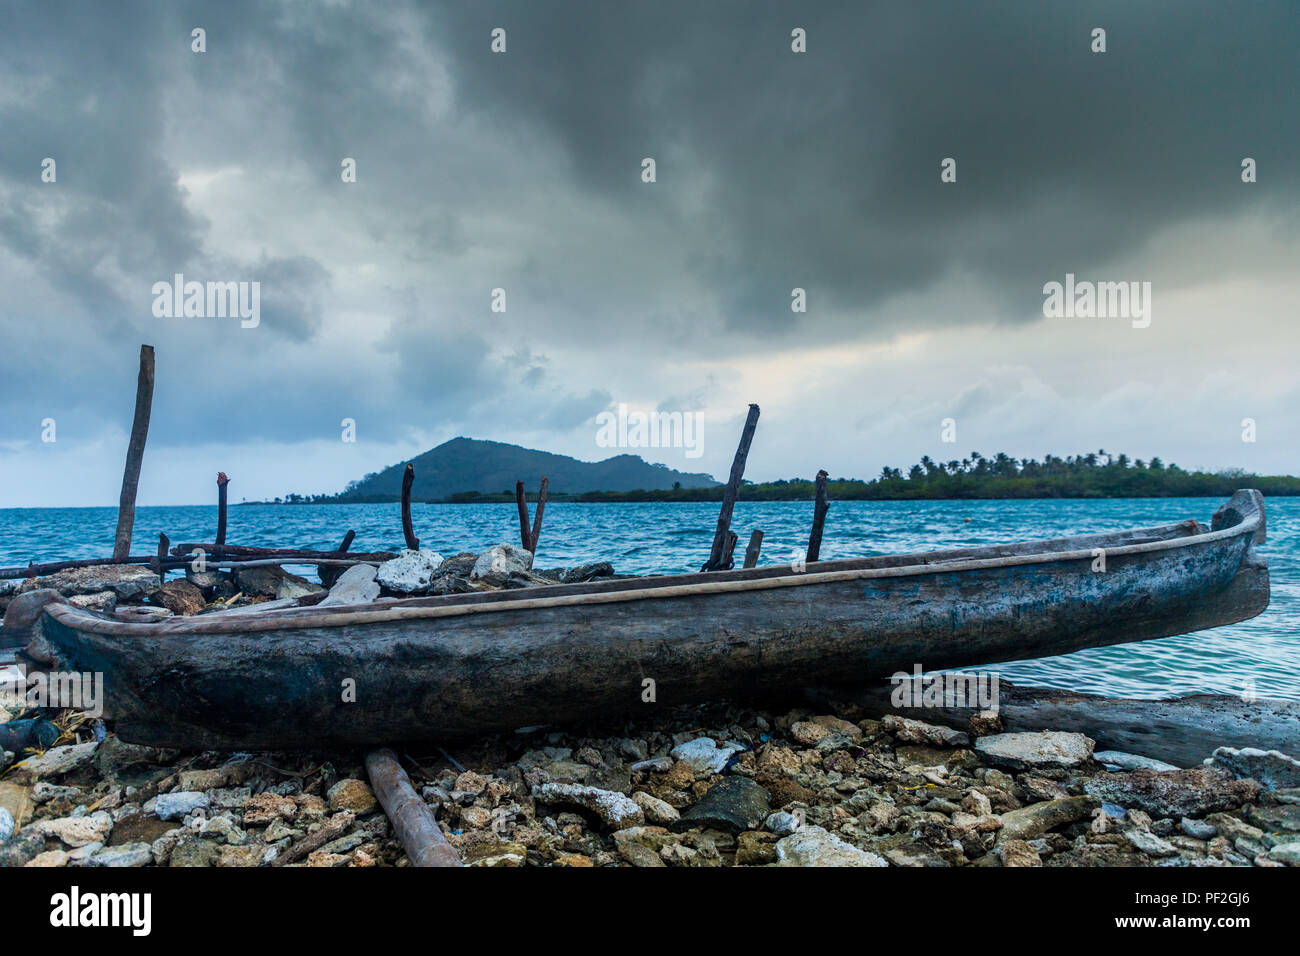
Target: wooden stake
[
  {"x": 222, "y": 481},
  {"x": 751, "y": 552},
  {"x": 819, "y": 518},
  {"x": 156, "y": 565},
  {"x": 408, "y": 530},
  {"x": 717, "y": 554},
  {"x": 134, "y": 454},
  {"x": 537, "y": 518},
  {"x": 524, "y": 534},
  {"x": 411, "y": 817}
]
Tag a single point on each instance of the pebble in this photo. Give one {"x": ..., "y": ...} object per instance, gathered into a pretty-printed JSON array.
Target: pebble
[
  {"x": 814, "y": 846},
  {"x": 705, "y": 757}
]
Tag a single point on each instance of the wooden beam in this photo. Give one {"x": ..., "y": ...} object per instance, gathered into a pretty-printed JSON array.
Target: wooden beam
[
  {"x": 537, "y": 518},
  {"x": 408, "y": 530},
  {"x": 717, "y": 554},
  {"x": 134, "y": 454},
  {"x": 329, "y": 574},
  {"x": 751, "y": 552},
  {"x": 412, "y": 820},
  {"x": 819, "y": 519},
  {"x": 222, "y": 482}
]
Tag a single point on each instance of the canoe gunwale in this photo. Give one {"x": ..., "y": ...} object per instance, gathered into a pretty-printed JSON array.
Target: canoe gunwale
[{"x": 78, "y": 619}]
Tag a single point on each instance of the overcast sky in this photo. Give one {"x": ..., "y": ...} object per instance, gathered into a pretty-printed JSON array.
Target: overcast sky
[{"x": 522, "y": 170}]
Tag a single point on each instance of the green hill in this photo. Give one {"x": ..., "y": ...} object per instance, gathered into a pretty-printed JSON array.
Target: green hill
[{"x": 490, "y": 467}]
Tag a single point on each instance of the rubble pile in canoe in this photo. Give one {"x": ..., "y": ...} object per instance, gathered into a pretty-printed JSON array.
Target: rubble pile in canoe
[
  {"x": 717, "y": 786},
  {"x": 108, "y": 587}
]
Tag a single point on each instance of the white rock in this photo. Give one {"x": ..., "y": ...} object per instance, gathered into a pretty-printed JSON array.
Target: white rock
[
  {"x": 6, "y": 825},
  {"x": 616, "y": 810},
  {"x": 411, "y": 572},
  {"x": 500, "y": 561},
  {"x": 704, "y": 755},
  {"x": 1288, "y": 853},
  {"x": 1118, "y": 760},
  {"x": 78, "y": 831},
  {"x": 813, "y": 846},
  {"x": 356, "y": 585},
  {"x": 1149, "y": 843},
  {"x": 1027, "y": 751}
]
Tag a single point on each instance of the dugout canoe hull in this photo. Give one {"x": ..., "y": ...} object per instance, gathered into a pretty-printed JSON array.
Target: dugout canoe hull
[{"x": 451, "y": 667}]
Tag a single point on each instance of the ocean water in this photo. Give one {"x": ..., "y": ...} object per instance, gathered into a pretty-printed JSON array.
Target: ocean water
[{"x": 1261, "y": 655}]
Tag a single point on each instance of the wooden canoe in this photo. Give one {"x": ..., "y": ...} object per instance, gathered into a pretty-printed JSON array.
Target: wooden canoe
[{"x": 467, "y": 664}]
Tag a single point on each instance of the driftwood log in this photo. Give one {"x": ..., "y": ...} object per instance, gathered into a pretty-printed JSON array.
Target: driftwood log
[
  {"x": 1182, "y": 731},
  {"x": 722, "y": 544},
  {"x": 134, "y": 454},
  {"x": 411, "y": 817}
]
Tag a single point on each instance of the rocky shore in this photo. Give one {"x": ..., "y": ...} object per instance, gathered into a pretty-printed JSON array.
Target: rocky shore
[{"x": 718, "y": 786}]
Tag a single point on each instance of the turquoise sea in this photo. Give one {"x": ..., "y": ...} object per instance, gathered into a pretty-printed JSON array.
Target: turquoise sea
[{"x": 1262, "y": 655}]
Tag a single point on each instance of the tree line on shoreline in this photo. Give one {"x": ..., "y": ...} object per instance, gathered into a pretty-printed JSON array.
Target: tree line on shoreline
[{"x": 1092, "y": 475}]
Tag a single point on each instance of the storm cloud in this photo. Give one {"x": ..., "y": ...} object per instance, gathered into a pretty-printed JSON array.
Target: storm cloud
[{"x": 522, "y": 171}]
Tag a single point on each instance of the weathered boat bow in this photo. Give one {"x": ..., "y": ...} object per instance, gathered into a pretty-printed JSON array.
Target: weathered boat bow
[{"x": 467, "y": 664}]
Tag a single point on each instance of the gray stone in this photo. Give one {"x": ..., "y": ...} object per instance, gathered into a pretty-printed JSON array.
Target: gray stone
[
  {"x": 178, "y": 805},
  {"x": 6, "y": 825},
  {"x": 1029, "y": 751},
  {"x": 782, "y": 823},
  {"x": 127, "y": 581},
  {"x": 733, "y": 805},
  {"x": 411, "y": 572},
  {"x": 274, "y": 581},
  {"x": 128, "y": 854},
  {"x": 1118, "y": 760},
  {"x": 1149, "y": 843},
  {"x": 499, "y": 562},
  {"x": 1173, "y": 793},
  {"x": 919, "y": 732},
  {"x": 1272, "y": 768},
  {"x": 814, "y": 846},
  {"x": 1037, "y": 818},
  {"x": 356, "y": 585},
  {"x": 1288, "y": 853},
  {"x": 704, "y": 756},
  {"x": 1198, "y": 829},
  {"x": 655, "y": 810}
]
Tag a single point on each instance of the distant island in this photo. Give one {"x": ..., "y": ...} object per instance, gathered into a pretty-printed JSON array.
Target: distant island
[{"x": 468, "y": 471}]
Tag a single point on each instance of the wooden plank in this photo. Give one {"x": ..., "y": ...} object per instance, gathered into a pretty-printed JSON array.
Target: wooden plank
[
  {"x": 751, "y": 552},
  {"x": 134, "y": 454},
  {"x": 717, "y": 554},
  {"x": 412, "y": 820}
]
